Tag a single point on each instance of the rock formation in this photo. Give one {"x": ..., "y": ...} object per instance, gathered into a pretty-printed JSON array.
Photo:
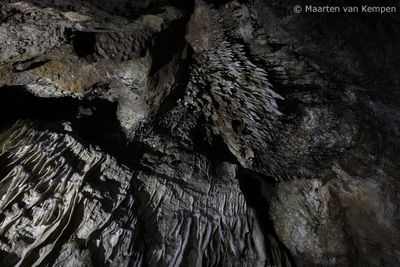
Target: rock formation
[{"x": 197, "y": 133}]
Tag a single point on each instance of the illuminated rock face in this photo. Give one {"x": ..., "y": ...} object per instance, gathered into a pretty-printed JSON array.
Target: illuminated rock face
[
  {"x": 58, "y": 196},
  {"x": 196, "y": 133},
  {"x": 67, "y": 204}
]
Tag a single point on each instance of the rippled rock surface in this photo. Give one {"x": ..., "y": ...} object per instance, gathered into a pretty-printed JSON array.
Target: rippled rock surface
[{"x": 197, "y": 133}]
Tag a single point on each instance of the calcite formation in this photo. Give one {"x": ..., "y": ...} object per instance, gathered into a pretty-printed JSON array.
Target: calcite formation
[{"x": 197, "y": 133}]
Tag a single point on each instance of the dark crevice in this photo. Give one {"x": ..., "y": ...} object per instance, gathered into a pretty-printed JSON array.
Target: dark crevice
[
  {"x": 213, "y": 148},
  {"x": 179, "y": 90},
  {"x": 8, "y": 259},
  {"x": 170, "y": 42},
  {"x": 29, "y": 65},
  {"x": 17, "y": 103},
  {"x": 258, "y": 193},
  {"x": 84, "y": 43}
]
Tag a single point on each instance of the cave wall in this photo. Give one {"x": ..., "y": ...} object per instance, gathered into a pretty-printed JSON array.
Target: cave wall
[{"x": 197, "y": 133}]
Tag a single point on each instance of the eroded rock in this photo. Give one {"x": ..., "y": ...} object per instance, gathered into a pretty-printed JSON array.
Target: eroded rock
[{"x": 199, "y": 133}]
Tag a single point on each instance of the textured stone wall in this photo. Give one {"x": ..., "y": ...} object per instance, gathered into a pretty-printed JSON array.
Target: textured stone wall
[{"x": 197, "y": 133}]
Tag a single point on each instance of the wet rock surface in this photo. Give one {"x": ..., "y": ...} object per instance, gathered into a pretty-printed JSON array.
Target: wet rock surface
[{"x": 197, "y": 133}]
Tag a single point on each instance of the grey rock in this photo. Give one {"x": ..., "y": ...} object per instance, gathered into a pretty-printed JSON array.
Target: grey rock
[
  {"x": 199, "y": 133},
  {"x": 63, "y": 204}
]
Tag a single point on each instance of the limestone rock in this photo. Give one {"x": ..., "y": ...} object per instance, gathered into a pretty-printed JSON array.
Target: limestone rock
[{"x": 197, "y": 133}]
